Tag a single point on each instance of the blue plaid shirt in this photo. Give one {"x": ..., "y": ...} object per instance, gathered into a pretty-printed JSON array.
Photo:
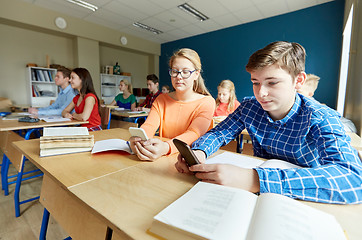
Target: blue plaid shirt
[{"x": 311, "y": 136}]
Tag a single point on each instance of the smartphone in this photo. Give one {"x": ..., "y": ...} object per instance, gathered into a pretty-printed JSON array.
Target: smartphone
[
  {"x": 138, "y": 132},
  {"x": 186, "y": 152}
]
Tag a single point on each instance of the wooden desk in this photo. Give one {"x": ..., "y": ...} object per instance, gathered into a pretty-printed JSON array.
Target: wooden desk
[
  {"x": 123, "y": 194},
  {"x": 128, "y": 113},
  {"x": 128, "y": 200},
  {"x": 9, "y": 125}
]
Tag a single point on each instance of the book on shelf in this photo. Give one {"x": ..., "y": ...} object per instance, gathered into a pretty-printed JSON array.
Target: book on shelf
[
  {"x": 64, "y": 140},
  {"x": 211, "y": 211},
  {"x": 40, "y": 75},
  {"x": 46, "y": 75},
  {"x": 50, "y": 76}
]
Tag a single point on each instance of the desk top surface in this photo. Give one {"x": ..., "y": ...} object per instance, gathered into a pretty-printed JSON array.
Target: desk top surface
[
  {"x": 72, "y": 169},
  {"x": 128, "y": 113},
  {"x": 10, "y": 125}
]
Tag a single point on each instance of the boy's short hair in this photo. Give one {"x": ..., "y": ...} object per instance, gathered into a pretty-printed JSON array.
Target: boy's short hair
[
  {"x": 66, "y": 71},
  {"x": 153, "y": 78},
  {"x": 288, "y": 56},
  {"x": 312, "y": 81}
]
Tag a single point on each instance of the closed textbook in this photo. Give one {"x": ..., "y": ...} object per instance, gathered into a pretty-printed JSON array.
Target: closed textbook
[
  {"x": 65, "y": 140},
  {"x": 210, "y": 211}
]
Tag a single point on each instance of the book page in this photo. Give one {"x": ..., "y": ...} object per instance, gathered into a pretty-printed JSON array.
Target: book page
[
  {"x": 65, "y": 131},
  {"x": 249, "y": 162},
  {"x": 211, "y": 211},
  {"x": 111, "y": 144},
  {"x": 235, "y": 159},
  {"x": 280, "y": 217},
  {"x": 54, "y": 119}
]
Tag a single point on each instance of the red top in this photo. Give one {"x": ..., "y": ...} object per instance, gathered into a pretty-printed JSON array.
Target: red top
[
  {"x": 94, "y": 118},
  {"x": 222, "y": 109}
]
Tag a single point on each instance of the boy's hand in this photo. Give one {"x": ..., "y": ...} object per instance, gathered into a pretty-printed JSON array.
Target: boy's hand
[
  {"x": 181, "y": 165},
  {"x": 228, "y": 175}
]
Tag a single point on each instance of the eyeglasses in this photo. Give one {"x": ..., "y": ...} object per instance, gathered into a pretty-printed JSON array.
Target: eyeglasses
[{"x": 184, "y": 73}]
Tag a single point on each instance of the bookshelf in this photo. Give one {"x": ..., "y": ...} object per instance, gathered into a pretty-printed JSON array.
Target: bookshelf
[
  {"x": 110, "y": 86},
  {"x": 41, "y": 86}
]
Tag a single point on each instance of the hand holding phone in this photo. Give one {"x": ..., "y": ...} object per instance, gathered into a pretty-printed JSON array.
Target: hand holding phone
[
  {"x": 186, "y": 152},
  {"x": 138, "y": 132}
]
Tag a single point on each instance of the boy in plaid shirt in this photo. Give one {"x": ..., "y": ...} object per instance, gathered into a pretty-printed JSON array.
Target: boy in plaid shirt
[{"x": 284, "y": 125}]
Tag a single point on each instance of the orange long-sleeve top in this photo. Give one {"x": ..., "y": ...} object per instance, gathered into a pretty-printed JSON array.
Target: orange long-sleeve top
[{"x": 186, "y": 121}]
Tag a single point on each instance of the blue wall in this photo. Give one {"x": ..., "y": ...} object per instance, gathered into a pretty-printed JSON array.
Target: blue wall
[{"x": 224, "y": 53}]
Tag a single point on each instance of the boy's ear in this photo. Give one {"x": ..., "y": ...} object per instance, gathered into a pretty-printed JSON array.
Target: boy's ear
[{"x": 300, "y": 80}]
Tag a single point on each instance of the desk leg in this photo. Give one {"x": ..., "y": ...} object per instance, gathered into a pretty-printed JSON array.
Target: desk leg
[
  {"x": 4, "y": 174},
  {"x": 44, "y": 225}
]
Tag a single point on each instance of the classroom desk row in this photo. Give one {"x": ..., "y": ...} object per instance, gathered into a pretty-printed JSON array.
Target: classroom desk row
[{"x": 113, "y": 195}]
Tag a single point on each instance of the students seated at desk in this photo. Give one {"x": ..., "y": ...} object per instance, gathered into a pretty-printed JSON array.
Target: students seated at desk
[
  {"x": 126, "y": 99},
  {"x": 308, "y": 89},
  {"x": 226, "y": 101},
  {"x": 65, "y": 96},
  {"x": 152, "y": 85},
  {"x": 86, "y": 103},
  {"x": 185, "y": 114},
  {"x": 288, "y": 126}
]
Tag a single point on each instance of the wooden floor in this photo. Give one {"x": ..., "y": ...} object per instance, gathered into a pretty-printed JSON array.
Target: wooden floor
[{"x": 27, "y": 226}]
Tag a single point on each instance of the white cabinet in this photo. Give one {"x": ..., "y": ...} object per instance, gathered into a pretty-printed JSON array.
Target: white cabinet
[
  {"x": 110, "y": 86},
  {"x": 41, "y": 86}
]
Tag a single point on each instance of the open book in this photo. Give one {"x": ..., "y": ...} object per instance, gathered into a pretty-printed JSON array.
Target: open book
[
  {"x": 64, "y": 140},
  {"x": 249, "y": 162},
  {"x": 210, "y": 211},
  {"x": 111, "y": 144}
]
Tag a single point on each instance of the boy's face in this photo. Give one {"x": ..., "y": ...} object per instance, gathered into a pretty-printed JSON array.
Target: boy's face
[
  {"x": 153, "y": 87},
  {"x": 274, "y": 88}
]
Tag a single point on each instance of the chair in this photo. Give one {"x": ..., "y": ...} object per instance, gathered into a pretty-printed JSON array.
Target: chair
[
  {"x": 13, "y": 155},
  {"x": 105, "y": 116}
]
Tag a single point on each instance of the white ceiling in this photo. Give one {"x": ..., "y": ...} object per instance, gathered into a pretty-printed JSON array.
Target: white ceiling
[{"x": 164, "y": 15}]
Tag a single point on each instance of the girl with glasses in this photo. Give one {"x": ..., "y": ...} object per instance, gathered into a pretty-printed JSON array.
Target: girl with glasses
[{"x": 185, "y": 113}]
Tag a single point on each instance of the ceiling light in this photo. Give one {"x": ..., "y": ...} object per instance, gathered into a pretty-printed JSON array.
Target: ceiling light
[
  {"x": 190, "y": 10},
  {"x": 84, "y": 4},
  {"x": 143, "y": 26}
]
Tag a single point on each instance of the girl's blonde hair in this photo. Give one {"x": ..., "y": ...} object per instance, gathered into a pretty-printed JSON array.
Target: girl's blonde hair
[
  {"x": 229, "y": 85},
  {"x": 128, "y": 84},
  {"x": 192, "y": 56}
]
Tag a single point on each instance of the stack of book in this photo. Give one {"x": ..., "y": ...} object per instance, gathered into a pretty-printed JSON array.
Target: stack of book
[{"x": 64, "y": 140}]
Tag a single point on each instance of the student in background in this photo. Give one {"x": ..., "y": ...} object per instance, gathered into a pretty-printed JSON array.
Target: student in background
[
  {"x": 86, "y": 103},
  {"x": 65, "y": 95},
  {"x": 152, "y": 85},
  {"x": 126, "y": 99},
  {"x": 185, "y": 113},
  {"x": 165, "y": 89},
  {"x": 226, "y": 101},
  {"x": 308, "y": 89},
  {"x": 288, "y": 126}
]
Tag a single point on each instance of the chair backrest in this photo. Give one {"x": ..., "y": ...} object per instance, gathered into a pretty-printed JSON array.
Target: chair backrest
[
  {"x": 14, "y": 155},
  {"x": 105, "y": 116}
]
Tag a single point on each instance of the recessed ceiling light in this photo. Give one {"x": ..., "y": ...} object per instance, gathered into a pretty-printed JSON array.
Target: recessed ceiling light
[
  {"x": 192, "y": 11},
  {"x": 148, "y": 28},
  {"x": 84, "y": 4}
]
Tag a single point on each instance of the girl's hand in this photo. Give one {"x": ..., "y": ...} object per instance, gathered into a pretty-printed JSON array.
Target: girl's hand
[
  {"x": 68, "y": 115},
  {"x": 149, "y": 150}
]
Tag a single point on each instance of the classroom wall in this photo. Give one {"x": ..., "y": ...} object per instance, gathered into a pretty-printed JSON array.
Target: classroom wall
[
  {"x": 135, "y": 63},
  {"x": 225, "y": 53},
  {"x": 28, "y": 34},
  {"x": 19, "y": 46}
]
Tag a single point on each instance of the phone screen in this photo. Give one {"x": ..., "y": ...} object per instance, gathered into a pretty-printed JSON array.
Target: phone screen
[{"x": 186, "y": 152}]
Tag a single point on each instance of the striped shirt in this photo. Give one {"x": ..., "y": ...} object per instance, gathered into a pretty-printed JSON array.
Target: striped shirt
[{"x": 311, "y": 136}]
